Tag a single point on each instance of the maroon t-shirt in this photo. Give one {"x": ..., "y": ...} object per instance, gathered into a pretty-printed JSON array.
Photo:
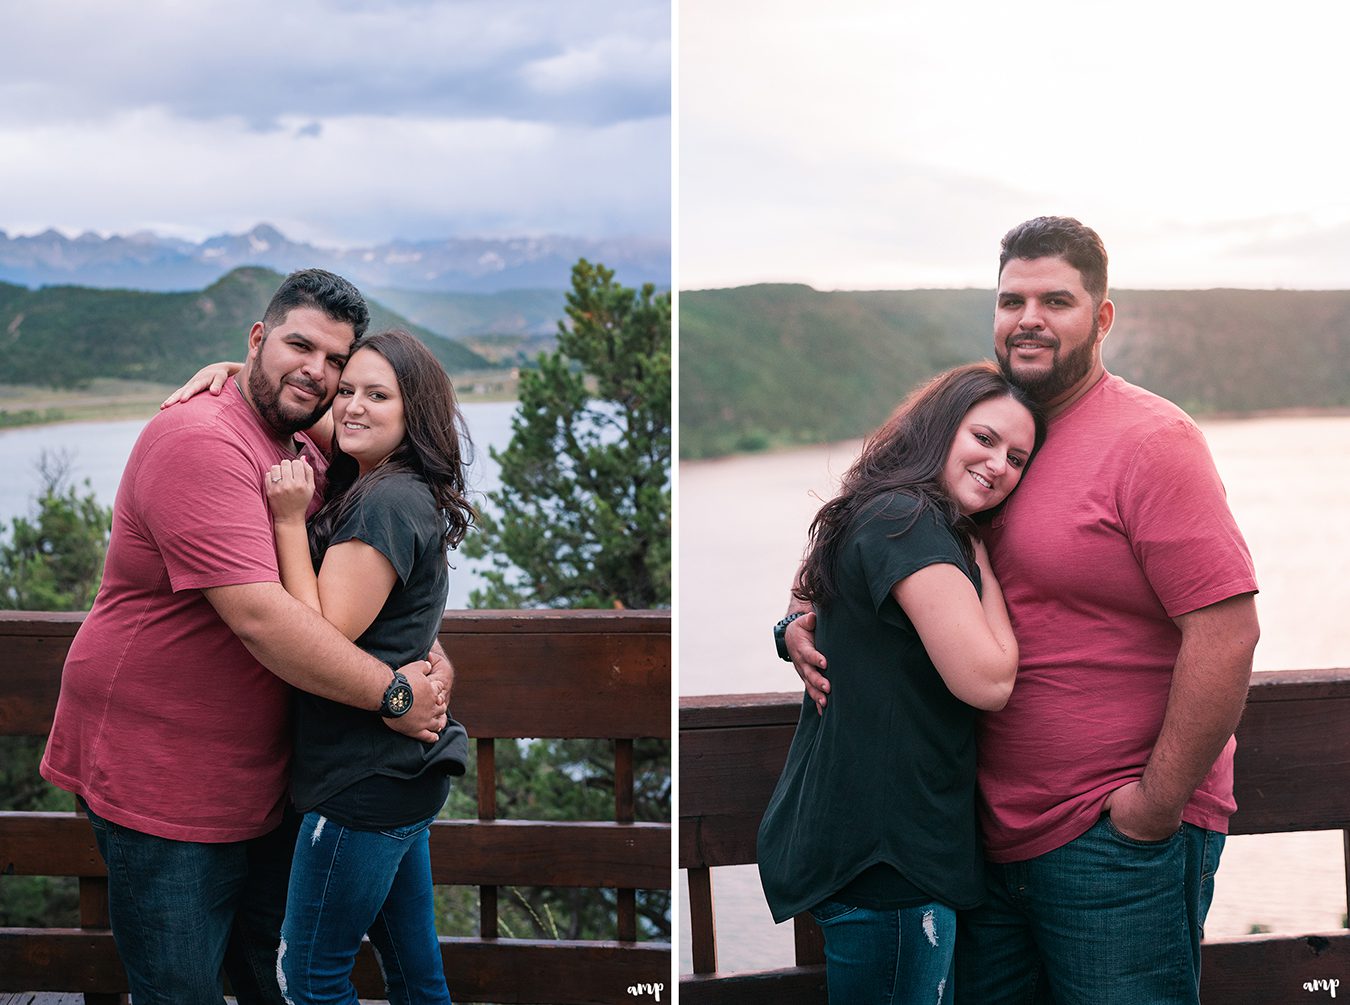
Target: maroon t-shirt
[
  {"x": 165, "y": 723},
  {"x": 1120, "y": 525}
]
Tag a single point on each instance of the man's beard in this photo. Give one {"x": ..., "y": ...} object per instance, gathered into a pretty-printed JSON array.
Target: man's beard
[
  {"x": 267, "y": 400},
  {"x": 1065, "y": 371}
]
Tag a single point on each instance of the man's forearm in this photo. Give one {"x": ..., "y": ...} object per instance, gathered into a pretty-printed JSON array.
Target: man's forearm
[
  {"x": 1208, "y": 692},
  {"x": 299, "y": 646}
]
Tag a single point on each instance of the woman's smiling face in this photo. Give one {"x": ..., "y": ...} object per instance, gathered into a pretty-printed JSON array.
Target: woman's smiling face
[
  {"x": 368, "y": 409},
  {"x": 992, "y": 446}
]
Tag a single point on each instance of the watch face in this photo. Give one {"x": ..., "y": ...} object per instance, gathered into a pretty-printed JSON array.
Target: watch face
[
  {"x": 398, "y": 699},
  {"x": 401, "y": 699}
]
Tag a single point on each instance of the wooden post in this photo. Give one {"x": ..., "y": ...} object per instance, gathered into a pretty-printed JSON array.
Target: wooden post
[
  {"x": 487, "y": 810},
  {"x": 808, "y": 941},
  {"x": 623, "y": 813},
  {"x": 94, "y": 914},
  {"x": 702, "y": 927},
  {"x": 1345, "y": 844}
]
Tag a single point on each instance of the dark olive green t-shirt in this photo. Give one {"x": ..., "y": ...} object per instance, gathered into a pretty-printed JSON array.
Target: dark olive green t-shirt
[
  {"x": 348, "y": 764},
  {"x": 887, "y": 774}
]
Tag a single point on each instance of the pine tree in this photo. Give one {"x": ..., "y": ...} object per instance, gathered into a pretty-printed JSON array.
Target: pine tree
[
  {"x": 52, "y": 561},
  {"x": 582, "y": 520},
  {"x": 583, "y": 515}
]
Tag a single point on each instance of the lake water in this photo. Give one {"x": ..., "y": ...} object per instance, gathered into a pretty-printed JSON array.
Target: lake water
[
  {"x": 741, "y": 526},
  {"x": 98, "y": 451}
]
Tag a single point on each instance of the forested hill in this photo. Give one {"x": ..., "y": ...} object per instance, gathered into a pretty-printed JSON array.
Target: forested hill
[
  {"x": 781, "y": 364},
  {"x": 63, "y": 336}
]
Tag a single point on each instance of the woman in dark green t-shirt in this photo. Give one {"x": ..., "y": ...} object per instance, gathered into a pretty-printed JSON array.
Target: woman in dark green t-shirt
[
  {"x": 872, "y": 825},
  {"x": 395, "y": 501}
]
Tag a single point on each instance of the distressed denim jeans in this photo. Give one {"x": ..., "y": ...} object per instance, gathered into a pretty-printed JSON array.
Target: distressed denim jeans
[
  {"x": 346, "y": 883},
  {"x": 1104, "y": 920},
  {"x": 182, "y": 910},
  {"x": 899, "y": 957}
]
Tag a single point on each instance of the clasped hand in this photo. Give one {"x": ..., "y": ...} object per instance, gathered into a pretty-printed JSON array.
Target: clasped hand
[
  {"x": 807, "y": 660},
  {"x": 290, "y": 486},
  {"x": 429, "y": 713}
]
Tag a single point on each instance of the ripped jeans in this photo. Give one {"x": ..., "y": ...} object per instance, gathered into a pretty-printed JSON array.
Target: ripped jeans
[
  {"x": 899, "y": 957},
  {"x": 345, "y": 883}
]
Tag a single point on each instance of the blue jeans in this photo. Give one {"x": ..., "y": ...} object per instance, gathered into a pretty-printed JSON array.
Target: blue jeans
[
  {"x": 182, "y": 910},
  {"x": 1105, "y": 920},
  {"x": 898, "y": 957},
  {"x": 346, "y": 883}
]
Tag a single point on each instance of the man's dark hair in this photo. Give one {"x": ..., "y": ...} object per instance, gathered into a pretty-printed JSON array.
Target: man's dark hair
[
  {"x": 1060, "y": 237},
  {"x": 333, "y": 295}
]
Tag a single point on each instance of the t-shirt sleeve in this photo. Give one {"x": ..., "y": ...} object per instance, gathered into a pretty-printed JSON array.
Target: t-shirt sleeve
[
  {"x": 200, "y": 495},
  {"x": 1182, "y": 532},
  {"x": 394, "y": 518},
  {"x": 893, "y": 543}
]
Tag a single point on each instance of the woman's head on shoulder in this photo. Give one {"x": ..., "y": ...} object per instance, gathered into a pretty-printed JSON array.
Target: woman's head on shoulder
[
  {"x": 959, "y": 444},
  {"x": 396, "y": 410},
  {"x": 966, "y": 436}
]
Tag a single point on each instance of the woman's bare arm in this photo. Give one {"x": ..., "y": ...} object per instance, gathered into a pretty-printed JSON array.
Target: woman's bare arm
[{"x": 969, "y": 639}]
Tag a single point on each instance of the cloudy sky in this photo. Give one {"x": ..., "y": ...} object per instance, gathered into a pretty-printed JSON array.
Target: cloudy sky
[
  {"x": 885, "y": 144},
  {"x": 338, "y": 121}
]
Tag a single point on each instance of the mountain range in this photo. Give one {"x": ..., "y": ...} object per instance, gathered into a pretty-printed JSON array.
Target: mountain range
[
  {"x": 772, "y": 365},
  {"x": 147, "y": 261}
]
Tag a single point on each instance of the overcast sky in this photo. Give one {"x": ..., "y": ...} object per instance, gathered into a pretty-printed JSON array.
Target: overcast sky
[
  {"x": 338, "y": 121},
  {"x": 887, "y": 144}
]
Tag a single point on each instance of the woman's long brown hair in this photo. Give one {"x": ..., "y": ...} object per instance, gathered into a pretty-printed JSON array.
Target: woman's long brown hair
[
  {"x": 434, "y": 444},
  {"x": 906, "y": 455}
]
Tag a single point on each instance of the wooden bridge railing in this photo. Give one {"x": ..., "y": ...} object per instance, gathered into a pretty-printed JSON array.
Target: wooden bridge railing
[
  {"x": 542, "y": 674},
  {"x": 1292, "y": 774}
]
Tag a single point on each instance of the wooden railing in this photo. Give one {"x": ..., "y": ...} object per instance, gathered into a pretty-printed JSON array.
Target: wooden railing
[
  {"x": 1292, "y": 774},
  {"x": 543, "y": 674}
]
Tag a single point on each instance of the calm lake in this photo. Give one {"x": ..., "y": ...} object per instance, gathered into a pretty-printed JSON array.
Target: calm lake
[
  {"x": 742, "y": 523},
  {"x": 98, "y": 451}
]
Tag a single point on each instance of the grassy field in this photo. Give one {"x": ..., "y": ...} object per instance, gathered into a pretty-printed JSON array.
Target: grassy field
[{"x": 106, "y": 399}]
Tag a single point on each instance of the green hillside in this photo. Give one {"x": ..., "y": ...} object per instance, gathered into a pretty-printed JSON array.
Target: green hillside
[
  {"x": 775, "y": 365},
  {"x": 1235, "y": 350},
  {"x": 462, "y": 316},
  {"x": 65, "y": 336},
  {"x": 770, "y": 365},
  {"x": 509, "y": 328}
]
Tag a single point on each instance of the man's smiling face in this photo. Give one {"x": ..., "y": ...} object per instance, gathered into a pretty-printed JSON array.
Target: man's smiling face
[
  {"x": 294, "y": 368},
  {"x": 1047, "y": 330}
]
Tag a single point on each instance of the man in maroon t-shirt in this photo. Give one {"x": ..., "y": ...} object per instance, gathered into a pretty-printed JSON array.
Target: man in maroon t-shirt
[
  {"x": 173, "y": 726},
  {"x": 1106, "y": 783}
]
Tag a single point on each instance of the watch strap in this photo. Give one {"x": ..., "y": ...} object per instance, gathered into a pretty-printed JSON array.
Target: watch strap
[{"x": 780, "y": 634}]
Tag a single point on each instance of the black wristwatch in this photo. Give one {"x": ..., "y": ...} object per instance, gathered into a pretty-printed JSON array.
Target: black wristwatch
[
  {"x": 398, "y": 697},
  {"x": 780, "y": 634}
]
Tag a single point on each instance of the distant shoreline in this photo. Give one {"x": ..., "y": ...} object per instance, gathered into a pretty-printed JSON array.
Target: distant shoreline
[
  {"x": 107, "y": 400},
  {"x": 1294, "y": 412},
  {"x": 1297, "y": 412}
]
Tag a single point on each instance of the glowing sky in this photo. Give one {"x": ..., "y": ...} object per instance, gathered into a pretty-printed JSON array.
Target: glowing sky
[{"x": 883, "y": 144}]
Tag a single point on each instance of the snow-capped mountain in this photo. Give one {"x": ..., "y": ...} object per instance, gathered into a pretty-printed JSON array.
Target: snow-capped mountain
[{"x": 147, "y": 261}]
